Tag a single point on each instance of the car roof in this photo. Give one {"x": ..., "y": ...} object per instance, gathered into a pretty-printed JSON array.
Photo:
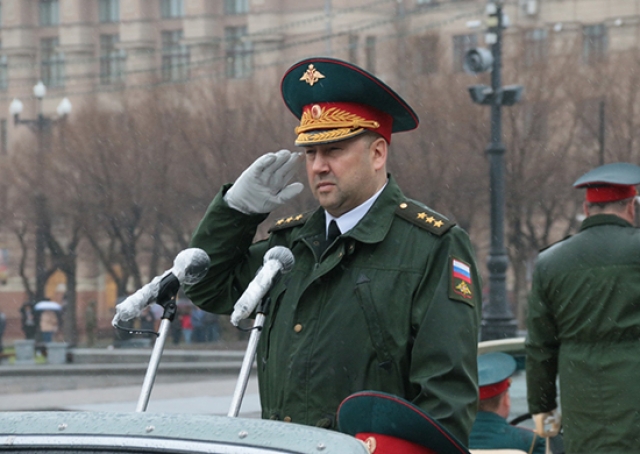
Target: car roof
[{"x": 156, "y": 432}]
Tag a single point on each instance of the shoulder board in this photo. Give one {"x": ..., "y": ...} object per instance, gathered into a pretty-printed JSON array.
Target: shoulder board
[
  {"x": 553, "y": 244},
  {"x": 290, "y": 221},
  {"x": 424, "y": 217}
]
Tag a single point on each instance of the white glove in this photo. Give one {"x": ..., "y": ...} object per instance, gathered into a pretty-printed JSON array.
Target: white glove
[
  {"x": 551, "y": 418},
  {"x": 262, "y": 187}
]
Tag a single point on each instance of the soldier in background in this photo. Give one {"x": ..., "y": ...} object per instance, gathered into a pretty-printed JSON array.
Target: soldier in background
[{"x": 584, "y": 322}]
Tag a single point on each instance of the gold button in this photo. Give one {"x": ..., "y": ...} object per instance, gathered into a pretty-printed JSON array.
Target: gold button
[
  {"x": 403, "y": 205},
  {"x": 287, "y": 419},
  {"x": 297, "y": 328}
]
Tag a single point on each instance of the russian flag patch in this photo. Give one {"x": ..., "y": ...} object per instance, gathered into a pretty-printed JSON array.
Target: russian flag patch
[{"x": 461, "y": 280}]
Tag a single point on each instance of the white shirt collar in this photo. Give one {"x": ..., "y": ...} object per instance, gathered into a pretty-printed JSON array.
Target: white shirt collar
[{"x": 349, "y": 220}]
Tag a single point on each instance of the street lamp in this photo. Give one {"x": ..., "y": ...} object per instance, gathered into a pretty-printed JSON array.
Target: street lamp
[
  {"x": 41, "y": 126},
  {"x": 498, "y": 321}
]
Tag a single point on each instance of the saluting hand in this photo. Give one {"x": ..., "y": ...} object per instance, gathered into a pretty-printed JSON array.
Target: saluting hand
[{"x": 262, "y": 187}]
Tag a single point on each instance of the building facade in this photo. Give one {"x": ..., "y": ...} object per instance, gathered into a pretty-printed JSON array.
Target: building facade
[{"x": 87, "y": 50}]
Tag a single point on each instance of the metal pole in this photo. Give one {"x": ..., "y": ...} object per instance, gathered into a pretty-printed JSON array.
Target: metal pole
[
  {"x": 245, "y": 369},
  {"x": 152, "y": 369},
  {"x": 498, "y": 320},
  {"x": 601, "y": 133},
  {"x": 40, "y": 207}
]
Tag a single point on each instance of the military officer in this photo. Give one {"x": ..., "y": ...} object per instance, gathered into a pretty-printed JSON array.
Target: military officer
[
  {"x": 491, "y": 429},
  {"x": 384, "y": 293},
  {"x": 584, "y": 321}
]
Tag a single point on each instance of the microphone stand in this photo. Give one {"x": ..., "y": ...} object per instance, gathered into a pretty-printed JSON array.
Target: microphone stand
[
  {"x": 166, "y": 298},
  {"x": 249, "y": 356}
]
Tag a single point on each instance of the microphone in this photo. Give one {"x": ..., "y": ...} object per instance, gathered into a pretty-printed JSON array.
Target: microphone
[
  {"x": 189, "y": 267},
  {"x": 277, "y": 260}
]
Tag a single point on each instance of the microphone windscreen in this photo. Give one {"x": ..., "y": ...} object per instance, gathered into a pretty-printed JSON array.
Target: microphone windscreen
[
  {"x": 282, "y": 255},
  {"x": 191, "y": 265}
]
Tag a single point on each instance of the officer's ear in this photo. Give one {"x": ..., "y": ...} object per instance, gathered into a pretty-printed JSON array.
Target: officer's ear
[
  {"x": 585, "y": 208},
  {"x": 379, "y": 150}
]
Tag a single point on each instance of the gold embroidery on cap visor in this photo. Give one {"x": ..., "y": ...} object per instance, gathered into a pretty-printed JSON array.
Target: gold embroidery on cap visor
[{"x": 330, "y": 125}]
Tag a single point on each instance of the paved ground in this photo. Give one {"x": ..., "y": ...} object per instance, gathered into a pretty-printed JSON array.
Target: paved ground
[
  {"x": 211, "y": 396},
  {"x": 179, "y": 388}
]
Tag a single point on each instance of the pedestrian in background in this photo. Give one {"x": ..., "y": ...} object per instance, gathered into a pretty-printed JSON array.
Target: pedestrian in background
[
  {"x": 48, "y": 325},
  {"x": 187, "y": 327},
  {"x": 29, "y": 320},
  {"x": 584, "y": 322},
  {"x": 91, "y": 322}
]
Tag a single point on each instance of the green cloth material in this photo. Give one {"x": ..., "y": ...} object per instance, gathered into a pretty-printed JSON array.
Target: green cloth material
[
  {"x": 584, "y": 326},
  {"x": 372, "y": 312},
  {"x": 492, "y": 431}
]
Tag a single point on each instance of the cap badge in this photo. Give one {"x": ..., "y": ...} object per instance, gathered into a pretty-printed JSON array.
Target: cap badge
[
  {"x": 312, "y": 75},
  {"x": 316, "y": 112}
]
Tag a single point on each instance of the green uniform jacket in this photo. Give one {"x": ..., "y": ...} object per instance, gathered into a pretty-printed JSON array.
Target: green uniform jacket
[
  {"x": 378, "y": 310},
  {"x": 584, "y": 325},
  {"x": 492, "y": 431}
]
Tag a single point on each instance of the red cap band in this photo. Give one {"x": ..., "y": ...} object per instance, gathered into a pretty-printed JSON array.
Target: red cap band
[
  {"x": 385, "y": 444},
  {"x": 493, "y": 390},
  {"x": 610, "y": 193},
  {"x": 331, "y": 121}
]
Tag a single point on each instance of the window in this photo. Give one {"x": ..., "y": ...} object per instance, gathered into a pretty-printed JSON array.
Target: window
[
  {"x": 175, "y": 56},
  {"x": 461, "y": 44},
  {"x": 236, "y": 6},
  {"x": 535, "y": 120},
  {"x": 171, "y": 8},
  {"x": 535, "y": 46},
  {"x": 238, "y": 53},
  {"x": 3, "y": 71},
  {"x": 49, "y": 12},
  {"x": 112, "y": 60},
  {"x": 370, "y": 54},
  {"x": 109, "y": 10},
  {"x": 594, "y": 43},
  {"x": 353, "y": 48},
  {"x": 4, "y": 145},
  {"x": 426, "y": 54},
  {"x": 51, "y": 63}
]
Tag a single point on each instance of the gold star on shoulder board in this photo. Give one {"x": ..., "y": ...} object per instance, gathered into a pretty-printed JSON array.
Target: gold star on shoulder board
[
  {"x": 438, "y": 223},
  {"x": 422, "y": 215},
  {"x": 430, "y": 219},
  {"x": 312, "y": 75}
]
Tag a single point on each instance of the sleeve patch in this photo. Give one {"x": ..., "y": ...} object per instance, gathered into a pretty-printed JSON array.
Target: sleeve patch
[{"x": 461, "y": 286}]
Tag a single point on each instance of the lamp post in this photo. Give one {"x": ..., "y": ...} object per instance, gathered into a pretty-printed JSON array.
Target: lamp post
[
  {"x": 498, "y": 321},
  {"x": 41, "y": 126}
]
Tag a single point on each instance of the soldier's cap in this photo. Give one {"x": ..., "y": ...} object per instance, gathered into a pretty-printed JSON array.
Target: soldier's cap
[
  {"x": 336, "y": 100},
  {"x": 610, "y": 182},
  {"x": 389, "y": 424},
  {"x": 494, "y": 373}
]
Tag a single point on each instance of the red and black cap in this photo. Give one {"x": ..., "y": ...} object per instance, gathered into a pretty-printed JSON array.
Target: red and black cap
[
  {"x": 494, "y": 373},
  {"x": 389, "y": 424},
  {"x": 336, "y": 100},
  {"x": 610, "y": 182}
]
